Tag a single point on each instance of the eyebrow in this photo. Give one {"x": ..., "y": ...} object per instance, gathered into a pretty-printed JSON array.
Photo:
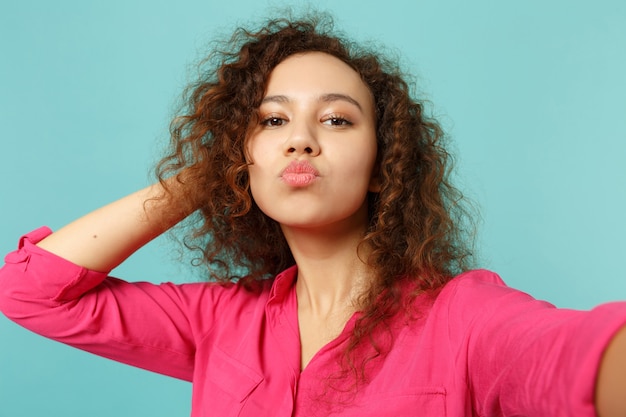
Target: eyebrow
[{"x": 325, "y": 98}]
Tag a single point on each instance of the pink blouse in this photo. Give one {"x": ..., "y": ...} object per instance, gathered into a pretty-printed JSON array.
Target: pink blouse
[{"x": 476, "y": 348}]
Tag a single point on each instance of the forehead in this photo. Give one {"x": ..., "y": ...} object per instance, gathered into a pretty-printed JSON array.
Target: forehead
[{"x": 313, "y": 74}]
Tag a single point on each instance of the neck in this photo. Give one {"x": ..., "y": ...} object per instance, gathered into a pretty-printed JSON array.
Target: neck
[{"x": 331, "y": 274}]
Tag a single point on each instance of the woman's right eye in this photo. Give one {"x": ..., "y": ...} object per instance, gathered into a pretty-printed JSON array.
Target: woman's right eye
[{"x": 273, "y": 121}]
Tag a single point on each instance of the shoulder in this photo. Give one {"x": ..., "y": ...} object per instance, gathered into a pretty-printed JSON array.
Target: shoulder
[
  {"x": 479, "y": 286},
  {"x": 477, "y": 277},
  {"x": 477, "y": 297}
]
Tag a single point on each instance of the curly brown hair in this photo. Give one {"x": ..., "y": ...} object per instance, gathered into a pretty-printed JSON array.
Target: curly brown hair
[{"x": 417, "y": 225}]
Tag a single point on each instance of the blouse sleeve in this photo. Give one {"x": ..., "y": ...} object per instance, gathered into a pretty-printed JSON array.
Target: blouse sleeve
[
  {"x": 141, "y": 324},
  {"x": 526, "y": 357}
]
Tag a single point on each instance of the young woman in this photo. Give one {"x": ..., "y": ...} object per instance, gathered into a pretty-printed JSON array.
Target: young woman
[{"x": 319, "y": 200}]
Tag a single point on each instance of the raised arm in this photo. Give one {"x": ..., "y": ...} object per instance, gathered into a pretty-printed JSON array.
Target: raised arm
[
  {"x": 61, "y": 289},
  {"x": 104, "y": 238}
]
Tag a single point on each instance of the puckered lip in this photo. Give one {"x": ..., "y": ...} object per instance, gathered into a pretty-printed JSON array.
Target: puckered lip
[
  {"x": 300, "y": 167},
  {"x": 299, "y": 174}
]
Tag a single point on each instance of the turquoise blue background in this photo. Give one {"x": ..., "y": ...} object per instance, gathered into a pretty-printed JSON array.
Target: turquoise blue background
[{"x": 532, "y": 93}]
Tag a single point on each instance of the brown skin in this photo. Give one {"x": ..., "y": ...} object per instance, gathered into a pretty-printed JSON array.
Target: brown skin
[
  {"x": 611, "y": 382},
  {"x": 104, "y": 238}
]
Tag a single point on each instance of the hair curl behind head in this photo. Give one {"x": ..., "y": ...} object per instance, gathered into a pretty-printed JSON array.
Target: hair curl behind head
[{"x": 417, "y": 232}]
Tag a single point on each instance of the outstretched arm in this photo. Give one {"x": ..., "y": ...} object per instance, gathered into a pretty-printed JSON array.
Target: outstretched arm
[{"x": 611, "y": 382}]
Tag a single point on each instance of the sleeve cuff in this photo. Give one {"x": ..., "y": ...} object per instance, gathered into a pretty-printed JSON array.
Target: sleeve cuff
[{"x": 50, "y": 275}]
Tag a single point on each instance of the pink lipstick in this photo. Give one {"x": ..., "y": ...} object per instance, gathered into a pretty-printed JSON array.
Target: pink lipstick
[{"x": 299, "y": 174}]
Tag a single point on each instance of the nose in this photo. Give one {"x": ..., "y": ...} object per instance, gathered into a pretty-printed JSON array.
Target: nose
[{"x": 302, "y": 139}]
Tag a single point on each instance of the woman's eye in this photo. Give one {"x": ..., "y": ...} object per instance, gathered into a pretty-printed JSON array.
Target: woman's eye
[
  {"x": 337, "y": 121},
  {"x": 273, "y": 121}
]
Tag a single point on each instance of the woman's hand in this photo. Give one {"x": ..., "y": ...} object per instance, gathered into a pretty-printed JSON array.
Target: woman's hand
[{"x": 611, "y": 382}]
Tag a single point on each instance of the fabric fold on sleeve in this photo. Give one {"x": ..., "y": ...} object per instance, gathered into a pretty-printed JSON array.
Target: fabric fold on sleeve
[
  {"x": 141, "y": 324},
  {"x": 32, "y": 275}
]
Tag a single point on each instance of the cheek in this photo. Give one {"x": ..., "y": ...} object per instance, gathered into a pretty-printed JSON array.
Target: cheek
[
  {"x": 253, "y": 178},
  {"x": 252, "y": 161},
  {"x": 257, "y": 183},
  {"x": 364, "y": 162},
  {"x": 248, "y": 150}
]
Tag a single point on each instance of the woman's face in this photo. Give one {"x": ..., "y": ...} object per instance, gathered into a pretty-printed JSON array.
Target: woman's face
[{"x": 313, "y": 153}]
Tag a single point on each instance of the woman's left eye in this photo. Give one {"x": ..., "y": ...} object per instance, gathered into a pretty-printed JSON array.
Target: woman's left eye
[{"x": 337, "y": 121}]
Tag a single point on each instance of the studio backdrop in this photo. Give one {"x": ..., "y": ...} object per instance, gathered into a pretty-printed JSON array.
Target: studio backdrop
[{"x": 531, "y": 95}]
